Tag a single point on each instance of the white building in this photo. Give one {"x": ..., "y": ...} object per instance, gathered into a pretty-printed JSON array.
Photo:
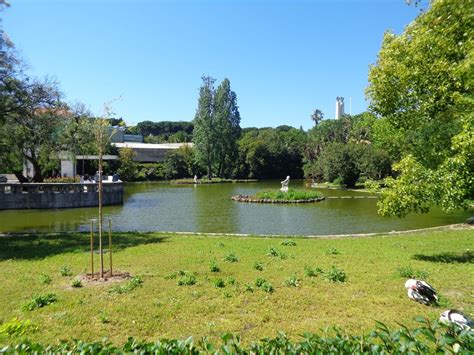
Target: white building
[{"x": 339, "y": 107}]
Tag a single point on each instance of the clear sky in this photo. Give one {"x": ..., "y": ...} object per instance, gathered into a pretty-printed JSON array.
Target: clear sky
[{"x": 283, "y": 58}]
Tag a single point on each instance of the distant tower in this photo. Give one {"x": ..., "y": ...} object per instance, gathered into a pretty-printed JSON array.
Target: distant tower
[{"x": 339, "y": 107}]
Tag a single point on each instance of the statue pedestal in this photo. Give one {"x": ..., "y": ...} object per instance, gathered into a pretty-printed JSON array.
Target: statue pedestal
[{"x": 284, "y": 189}]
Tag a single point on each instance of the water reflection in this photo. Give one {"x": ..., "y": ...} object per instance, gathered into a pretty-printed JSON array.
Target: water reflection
[{"x": 208, "y": 208}]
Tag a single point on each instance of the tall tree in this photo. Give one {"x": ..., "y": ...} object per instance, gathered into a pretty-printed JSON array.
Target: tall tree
[
  {"x": 317, "y": 116},
  {"x": 227, "y": 126},
  {"x": 204, "y": 134},
  {"x": 422, "y": 86}
]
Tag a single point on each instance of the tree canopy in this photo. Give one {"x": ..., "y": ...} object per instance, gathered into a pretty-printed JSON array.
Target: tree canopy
[{"x": 422, "y": 87}]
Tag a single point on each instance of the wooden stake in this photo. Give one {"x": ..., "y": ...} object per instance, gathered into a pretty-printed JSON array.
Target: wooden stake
[
  {"x": 110, "y": 245},
  {"x": 92, "y": 249}
]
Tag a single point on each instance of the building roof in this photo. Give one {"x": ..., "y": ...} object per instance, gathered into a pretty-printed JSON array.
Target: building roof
[{"x": 136, "y": 145}]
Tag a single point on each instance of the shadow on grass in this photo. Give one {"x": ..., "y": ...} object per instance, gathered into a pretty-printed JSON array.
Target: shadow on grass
[
  {"x": 448, "y": 258},
  {"x": 39, "y": 246}
]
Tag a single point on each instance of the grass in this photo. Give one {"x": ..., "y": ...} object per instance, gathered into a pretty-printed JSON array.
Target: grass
[
  {"x": 291, "y": 195},
  {"x": 159, "y": 307}
]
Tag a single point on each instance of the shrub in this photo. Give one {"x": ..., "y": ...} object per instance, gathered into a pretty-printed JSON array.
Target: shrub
[
  {"x": 409, "y": 273},
  {"x": 214, "y": 267},
  {"x": 335, "y": 275},
  {"x": 76, "y": 283},
  {"x": 45, "y": 279},
  {"x": 258, "y": 266},
  {"x": 267, "y": 287},
  {"x": 40, "y": 301},
  {"x": 66, "y": 271},
  {"x": 260, "y": 281},
  {"x": 231, "y": 258},
  {"x": 219, "y": 283},
  {"x": 292, "y": 281}
]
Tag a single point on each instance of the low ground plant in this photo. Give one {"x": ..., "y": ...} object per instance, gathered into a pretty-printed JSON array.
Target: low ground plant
[
  {"x": 231, "y": 280},
  {"x": 219, "y": 283},
  {"x": 264, "y": 285},
  {"x": 128, "y": 287},
  {"x": 275, "y": 253},
  {"x": 332, "y": 251},
  {"x": 409, "y": 273},
  {"x": 312, "y": 272},
  {"x": 258, "y": 266},
  {"x": 17, "y": 328},
  {"x": 213, "y": 267},
  {"x": 335, "y": 275},
  {"x": 231, "y": 258},
  {"x": 288, "y": 243},
  {"x": 187, "y": 279},
  {"x": 65, "y": 271},
  {"x": 40, "y": 301},
  {"x": 45, "y": 279},
  {"x": 76, "y": 283},
  {"x": 292, "y": 281}
]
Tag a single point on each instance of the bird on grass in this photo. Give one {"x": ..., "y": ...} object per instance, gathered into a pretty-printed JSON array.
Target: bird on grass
[
  {"x": 452, "y": 316},
  {"x": 421, "y": 291}
]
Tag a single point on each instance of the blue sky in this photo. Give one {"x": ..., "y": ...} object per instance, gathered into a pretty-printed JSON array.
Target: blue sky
[{"x": 283, "y": 58}]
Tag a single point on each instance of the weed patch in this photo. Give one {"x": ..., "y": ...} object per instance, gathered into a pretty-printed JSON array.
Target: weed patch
[
  {"x": 65, "y": 271},
  {"x": 335, "y": 275},
  {"x": 275, "y": 253},
  {"x": 409, "y": 273},
  {"x": 76, "y": 283},
  {"x": 231, "y": 258},
  {"x": 130, "y": 286},
  {"x": 45, "y": 279},
  {"x": 292, "y": 281},
  {"x": 288, "y": 243},
  {"x": 219, "y": 283},
  {"x": 258, "y": 266},
  {"x": 213, "y": 267},
  {"x": 40, "y": 301},
  {"x": 17, "y": 328}
]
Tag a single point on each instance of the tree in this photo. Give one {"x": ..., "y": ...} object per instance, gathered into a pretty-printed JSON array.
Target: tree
[
  {"x": 227, "y": 127},
  {"x": 422, "y": 86},
  {"x": 317, "y": 116},
  {"x": 128, "y": 168},
  {"x": 204, "y": 134}
]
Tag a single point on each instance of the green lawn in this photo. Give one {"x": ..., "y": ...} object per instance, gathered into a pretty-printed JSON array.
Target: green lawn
[{"x": 159, "y": 307}]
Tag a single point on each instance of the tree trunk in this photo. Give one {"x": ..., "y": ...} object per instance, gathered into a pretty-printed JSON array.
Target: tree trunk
[{"x": 19, "y": 175}]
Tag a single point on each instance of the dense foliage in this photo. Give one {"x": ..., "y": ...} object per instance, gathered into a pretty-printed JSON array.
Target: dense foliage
[
  {"x": 428, "y": 338},
  {"x": 290, "y": 195},
  {"x": 164, "y": 131},
  {"x": 422, "y": 87},
  {"x": 346, "y": 150}
]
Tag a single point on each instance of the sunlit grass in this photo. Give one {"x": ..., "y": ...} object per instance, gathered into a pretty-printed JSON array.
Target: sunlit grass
[{"x": 178, "y": 294}]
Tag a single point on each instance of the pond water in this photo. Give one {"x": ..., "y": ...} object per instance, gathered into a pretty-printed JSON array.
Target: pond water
[{"x": 208, "y": 208}]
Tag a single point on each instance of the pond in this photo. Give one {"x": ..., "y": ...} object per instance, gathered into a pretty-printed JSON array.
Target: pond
[{"x": 208, "y": 208}]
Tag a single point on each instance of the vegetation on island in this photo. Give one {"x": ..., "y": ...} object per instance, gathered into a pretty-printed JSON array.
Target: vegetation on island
[
  {"x": 297, "y": 285},
  {"x": 290, "y": 195}
]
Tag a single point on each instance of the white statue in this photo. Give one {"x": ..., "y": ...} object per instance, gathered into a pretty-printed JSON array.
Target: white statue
[
  {"x": 284, "y": 184},
  {"x": 195, "y": 179}
]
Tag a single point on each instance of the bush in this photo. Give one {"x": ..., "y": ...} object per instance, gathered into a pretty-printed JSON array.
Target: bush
[
  {"x": 427, "y": 338},
  {"x": 310, "y": 272},
  {"x": 40, "y": 301}
]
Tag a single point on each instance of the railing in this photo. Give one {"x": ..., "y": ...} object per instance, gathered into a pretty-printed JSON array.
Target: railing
[{"x": 58, "y": 195}]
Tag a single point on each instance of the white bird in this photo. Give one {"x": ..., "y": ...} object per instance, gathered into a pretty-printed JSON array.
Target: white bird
[
  {"x": 421, "y": 292},
  {"x": 452, "y": 316}
]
